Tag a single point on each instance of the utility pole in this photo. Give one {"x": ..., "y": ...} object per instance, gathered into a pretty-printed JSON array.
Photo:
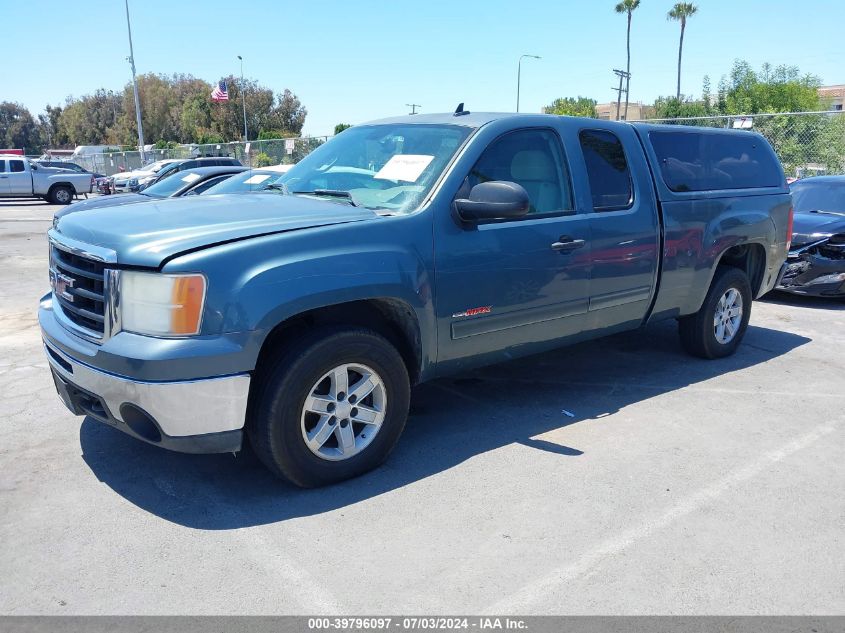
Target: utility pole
[
  {"x": 131, "y": 60},
  {"x": 519, "y": 75},
  {"x": 622, "y": 76},
  {"x": 413, "y": 107},
  {"x": 243, "y": 96}
]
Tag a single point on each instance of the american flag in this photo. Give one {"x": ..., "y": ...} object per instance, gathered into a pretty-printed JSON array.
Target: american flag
[{"x": 220, "y": 93}]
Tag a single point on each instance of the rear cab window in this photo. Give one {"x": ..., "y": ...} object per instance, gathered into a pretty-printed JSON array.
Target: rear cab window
[
  {"x": 691, "y": 161},
  {"x": 608, "y": 172}
]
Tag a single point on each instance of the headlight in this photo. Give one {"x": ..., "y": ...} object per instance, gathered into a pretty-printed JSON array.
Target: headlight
[{"x": 161, "y": 305}]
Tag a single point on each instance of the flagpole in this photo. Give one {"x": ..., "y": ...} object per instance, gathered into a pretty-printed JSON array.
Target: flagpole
[{"x": 243, "y": 96}]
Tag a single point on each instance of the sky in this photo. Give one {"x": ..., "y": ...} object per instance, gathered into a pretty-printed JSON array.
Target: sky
[{"x": 359, "y": 60}]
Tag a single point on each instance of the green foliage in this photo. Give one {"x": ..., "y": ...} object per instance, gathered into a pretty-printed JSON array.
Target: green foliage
[
  {"x": 161, "y": 144},
  {"x": 262, "y": 160},
  {"x": 176, "y": 108},
  {"x": 568, "y": 106},
  {"x": 627, "y": 6},
  {"x": 674, "y": 108},
  {"x": 340, "y": 127},
  {"x": 266, "y": 135},
  {"x": 18, "y": 129},
  {"x": 681, "y": 11},
  {"x": 780, "y": 89}
]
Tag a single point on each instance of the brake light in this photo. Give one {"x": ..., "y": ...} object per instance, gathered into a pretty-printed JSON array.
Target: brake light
[{"x": 789, "y": 227}]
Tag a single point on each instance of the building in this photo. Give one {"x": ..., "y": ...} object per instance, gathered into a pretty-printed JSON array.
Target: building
[
  {"x": 835, "y": 95},
  {"x": 636, "y": 111}
]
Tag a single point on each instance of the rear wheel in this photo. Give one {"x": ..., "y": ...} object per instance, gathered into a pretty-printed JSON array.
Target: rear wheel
[
  {"x": 717, "y": 329},
  {"x": 61, "y": 195},
  {"x": 332, "y": 407}
]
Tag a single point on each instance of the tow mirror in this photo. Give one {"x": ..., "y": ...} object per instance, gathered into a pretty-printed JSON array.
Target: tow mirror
[
  {"x": 494, "y": 200},
  {"x": 33, "y": 166}
]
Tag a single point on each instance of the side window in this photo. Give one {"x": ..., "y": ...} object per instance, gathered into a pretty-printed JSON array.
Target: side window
[
  {"x": 533, "y": 159},
  {"x": 607, "y": 170},
  {"x": 2, "y": 166},
  {"x": 15, "y": 165},
  {"x": 208, "y": 184}
]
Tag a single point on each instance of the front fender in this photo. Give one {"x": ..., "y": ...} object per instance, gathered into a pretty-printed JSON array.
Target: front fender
[{"x": 256, "y": 284}]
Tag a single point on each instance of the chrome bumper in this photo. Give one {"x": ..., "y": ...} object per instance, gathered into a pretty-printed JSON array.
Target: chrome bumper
[{"x": 196, "y": 416}]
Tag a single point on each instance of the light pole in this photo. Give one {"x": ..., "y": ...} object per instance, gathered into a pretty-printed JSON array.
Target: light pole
[
  {"x": 519, "y": 75},
  {"x": 131, "y": 60},
  {"x": 243, "y": 95}
]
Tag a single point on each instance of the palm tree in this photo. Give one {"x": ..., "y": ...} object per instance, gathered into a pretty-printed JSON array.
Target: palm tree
[
  {"x": 680, "y": 12},
  {"x": 626, "y": 6}
]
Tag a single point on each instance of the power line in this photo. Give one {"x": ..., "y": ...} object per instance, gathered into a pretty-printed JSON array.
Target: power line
[{"x": 622, "y": 76}]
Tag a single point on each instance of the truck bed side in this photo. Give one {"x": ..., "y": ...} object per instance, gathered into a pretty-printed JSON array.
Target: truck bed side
[{"x": 702, "y": 229}]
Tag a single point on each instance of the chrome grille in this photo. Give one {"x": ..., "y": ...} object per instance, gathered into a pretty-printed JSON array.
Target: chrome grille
[{"x": 79, "y": 287}]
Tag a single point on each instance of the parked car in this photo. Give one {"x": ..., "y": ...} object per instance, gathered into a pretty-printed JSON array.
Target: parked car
[
  {"x": 816, "y": 262},
  {"x": 248, "y": 181},
  {"x": 61, "y": 164},
  {"x": 438, "y": 244},
  {"x": 23, "y": 178},
  {"x": 177, "y": 166},
  {"x": 188, "y": 183},
  {"x": 128, "y": 180}
]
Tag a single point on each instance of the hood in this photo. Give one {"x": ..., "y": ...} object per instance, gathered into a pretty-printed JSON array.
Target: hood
[
  {"x": 811, "y": 226},
  {"x": 115, "y": 200},
  {"x": 156, "y": 230}
]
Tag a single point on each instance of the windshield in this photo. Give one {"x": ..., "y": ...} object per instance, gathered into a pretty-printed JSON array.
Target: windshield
[
  {"x": 255, "y": 180},
  {"x": 391, "y": 167},
  {"x": 167, "y": 187},
  {"x": 818, "y": 196}
]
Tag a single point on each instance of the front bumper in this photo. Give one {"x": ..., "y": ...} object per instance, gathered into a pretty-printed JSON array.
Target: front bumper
[
  {"x": 802, "y": 272},
  {"x": 203, "y": 415}
]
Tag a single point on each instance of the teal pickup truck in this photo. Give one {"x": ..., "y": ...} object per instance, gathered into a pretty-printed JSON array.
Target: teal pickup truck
[{"x": 402, "y": 250}]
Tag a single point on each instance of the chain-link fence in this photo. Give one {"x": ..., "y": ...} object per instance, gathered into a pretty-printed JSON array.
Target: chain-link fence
[
  {"x": 807, "y": 143},
  {"x": 251, "y": 154}
]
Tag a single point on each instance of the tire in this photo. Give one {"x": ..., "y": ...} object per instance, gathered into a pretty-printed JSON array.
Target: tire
[
  {"x": 61, "y": 195},
  {"x": 279, "y": 422},
  {"x": 700, "y": 334}
]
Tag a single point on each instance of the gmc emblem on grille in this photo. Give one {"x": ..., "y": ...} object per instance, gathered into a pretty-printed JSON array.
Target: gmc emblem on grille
[{"x": 60, "y": 284}]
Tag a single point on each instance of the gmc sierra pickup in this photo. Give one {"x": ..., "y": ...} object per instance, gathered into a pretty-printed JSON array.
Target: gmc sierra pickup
[
  {"x": 400, "y": 251},
  {"x": 22, "y": 178}
]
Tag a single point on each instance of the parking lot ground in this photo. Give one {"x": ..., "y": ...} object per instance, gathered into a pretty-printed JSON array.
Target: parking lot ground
[{"x": 678, "y": 486}]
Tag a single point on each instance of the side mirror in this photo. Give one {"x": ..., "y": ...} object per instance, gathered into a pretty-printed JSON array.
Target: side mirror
[
  {"x": 494, "y": 200},
  {"x": 33, "y": 167}
]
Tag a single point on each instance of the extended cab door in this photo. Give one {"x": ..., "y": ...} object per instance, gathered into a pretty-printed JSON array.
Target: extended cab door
[
  {"x": 624, "y": 225},
  {"x": 20, "y": 181},
  {"x": 517, "y": 284},
  {"x": 4, "y": 178}
]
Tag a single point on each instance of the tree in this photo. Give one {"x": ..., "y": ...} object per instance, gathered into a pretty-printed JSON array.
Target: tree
[
  {"x": 628, "y": 7},
  {"x": 340, "y": 127},
  {"x": 568, "y": 106},
  {"x": 674, "y": 108},
  {"x": 680, "y": 13},
  {"x": 18, "y": 129}
]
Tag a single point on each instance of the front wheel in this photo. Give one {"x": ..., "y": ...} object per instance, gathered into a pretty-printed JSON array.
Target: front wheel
[
  {"x": 717, "y": 329},
  {"x": 330, "y": 408}
]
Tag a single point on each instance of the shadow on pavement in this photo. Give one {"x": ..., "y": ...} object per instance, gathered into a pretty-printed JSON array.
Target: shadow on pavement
[
  {"x": 451, "y": 421},
  {"x": 805, "y": 301}
]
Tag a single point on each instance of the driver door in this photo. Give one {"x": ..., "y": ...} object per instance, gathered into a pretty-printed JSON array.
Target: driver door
[{"x": 520, "y": 284}]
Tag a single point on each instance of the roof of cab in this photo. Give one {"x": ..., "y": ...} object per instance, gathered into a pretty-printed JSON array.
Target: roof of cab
[{"x": 470, "y": 119}]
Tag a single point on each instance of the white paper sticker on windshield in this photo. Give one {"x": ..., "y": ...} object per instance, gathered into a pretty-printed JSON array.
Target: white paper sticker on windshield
[
  {"x": 257, "y": 179},
  {"x": 405, "y": 167},
  {"x": 189, "y": 178}
]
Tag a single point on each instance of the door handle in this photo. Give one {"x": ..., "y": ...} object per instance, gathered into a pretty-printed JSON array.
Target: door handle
[
  {"x": 3, "y": 176},
  {"x": 566, "y": 244}
]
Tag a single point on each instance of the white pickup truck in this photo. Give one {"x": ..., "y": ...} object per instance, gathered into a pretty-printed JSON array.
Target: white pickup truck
[{"x": 21, "y": 178}]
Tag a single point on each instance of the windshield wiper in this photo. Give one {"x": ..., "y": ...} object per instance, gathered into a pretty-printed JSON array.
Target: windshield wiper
[{"x": 331, "y": 193}]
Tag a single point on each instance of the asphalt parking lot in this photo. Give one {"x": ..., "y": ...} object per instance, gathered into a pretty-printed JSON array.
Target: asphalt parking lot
[{"x": 678, "y": 486}]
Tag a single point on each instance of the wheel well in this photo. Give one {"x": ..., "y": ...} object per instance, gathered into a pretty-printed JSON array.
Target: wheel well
[
  {"x": 393, "y": 319},
  {"x": 61, "y": 184},
  {"x": 751, "y": 259}
]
